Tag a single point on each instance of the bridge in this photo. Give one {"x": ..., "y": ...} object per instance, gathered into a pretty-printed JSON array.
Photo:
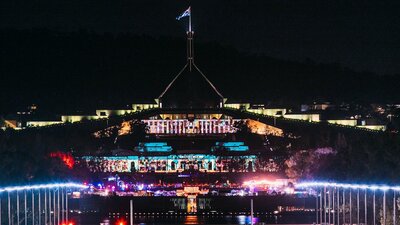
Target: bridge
[
  {"x": 37, "y": 204},
  {"x": 338, "y": 203},
  {"x": 335, "y": 203}
]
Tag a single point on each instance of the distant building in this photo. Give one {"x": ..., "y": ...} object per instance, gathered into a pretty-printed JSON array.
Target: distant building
[{"x": 191, "y": 90}]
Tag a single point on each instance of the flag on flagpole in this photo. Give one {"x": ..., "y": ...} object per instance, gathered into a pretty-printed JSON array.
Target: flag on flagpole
[{"x": 184, "y": 14}]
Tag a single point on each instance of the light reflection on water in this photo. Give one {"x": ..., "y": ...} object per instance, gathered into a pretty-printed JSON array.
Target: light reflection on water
[
  {"x": 204, "y": 220},
  {"x": 191, "y": 220}
]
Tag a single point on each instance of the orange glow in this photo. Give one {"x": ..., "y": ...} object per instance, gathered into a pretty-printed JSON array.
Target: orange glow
[
  {"x": 66, "y": 158},
  {"x": 125, "y": 128},
  {"x": 264, "y": 182},
  {"x": 121, "y": 222},
  {"x": 68, "y": 223},
  {"x": 263, "y": 129}
]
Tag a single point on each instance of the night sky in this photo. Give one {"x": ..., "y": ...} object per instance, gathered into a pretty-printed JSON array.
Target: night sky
[{"x": 361, "y": 34}]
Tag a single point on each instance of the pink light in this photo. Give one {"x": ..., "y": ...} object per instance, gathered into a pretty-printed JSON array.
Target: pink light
[{"x": 253, "y": 183}]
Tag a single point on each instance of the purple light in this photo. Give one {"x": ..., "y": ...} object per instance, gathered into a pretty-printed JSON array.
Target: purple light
[
  {"x": 352, "y": 186},
  {"x": 42, "y": 186}
]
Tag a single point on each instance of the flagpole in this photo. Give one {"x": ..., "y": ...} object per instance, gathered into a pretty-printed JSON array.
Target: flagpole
[
  {"x": 190, "y": 40},
  {"x": 190, "y": 19}
]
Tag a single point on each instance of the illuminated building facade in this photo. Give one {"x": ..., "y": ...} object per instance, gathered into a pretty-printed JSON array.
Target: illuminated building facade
[
  {"x": 174, "y": 163},
  {"x": 185, "y": 126},
  {"x": 191, "y": 89},
  {"x": 159, "y": 157},
  {"x": 190, "y": 123}
]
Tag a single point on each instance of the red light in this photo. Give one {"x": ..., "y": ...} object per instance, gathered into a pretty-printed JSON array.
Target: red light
[
  {"x": 121, "y": 222},
  {"x": 66, "y": 158},
  {"x": 68, "y": 223}
]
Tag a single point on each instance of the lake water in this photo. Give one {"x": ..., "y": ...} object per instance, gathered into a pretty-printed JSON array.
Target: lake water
[{"x": 197, "y": 219}]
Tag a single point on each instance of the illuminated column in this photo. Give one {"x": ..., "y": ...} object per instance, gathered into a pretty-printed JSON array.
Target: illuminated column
[
  {"x": 200, "y": 126},
  {"x": 151, "y": 128},
  {"x": 214, "y": 126},
  {"x": 167, "y": 128},
  {"x": 148, "y": 124},
  {"x": 176, "y": 127}
]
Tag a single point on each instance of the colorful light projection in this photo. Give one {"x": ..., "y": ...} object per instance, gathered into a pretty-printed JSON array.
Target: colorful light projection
[{"x": 65, "y": 157}]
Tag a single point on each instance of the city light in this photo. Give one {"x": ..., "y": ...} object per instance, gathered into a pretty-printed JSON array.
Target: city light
[
  {"x": 67, "y": 158},
  {"x": 120, "y": 222},
  {"x": 68, "y": 223},
  {"x": 42, "y": 186},
  {"x": 253, "y": 183},
  {"x": 346, "y": 185}
]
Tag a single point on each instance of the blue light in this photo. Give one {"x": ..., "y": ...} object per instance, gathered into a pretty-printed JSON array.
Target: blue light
[
  {"x": 236, "y": 146},
  {"x": 352, "y": 186},
  {"x": 42, "y": 186},
  {"x": 183, "y": 175},
  {"x": 154, "y": 147},
  {"x": 230, "y": 144}
]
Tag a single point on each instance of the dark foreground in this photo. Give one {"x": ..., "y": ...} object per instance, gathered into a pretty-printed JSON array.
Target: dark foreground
[
  {"x": 198, "y": 219},
  {"x": 96, "y": 210}
]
